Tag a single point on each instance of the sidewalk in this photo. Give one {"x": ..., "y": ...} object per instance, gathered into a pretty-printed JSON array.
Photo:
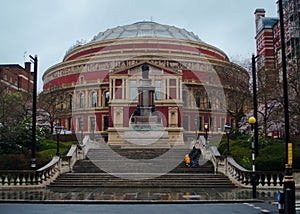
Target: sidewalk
[
  {"x": 216, "y": 208},
  {"x": 123, "y": 194}
]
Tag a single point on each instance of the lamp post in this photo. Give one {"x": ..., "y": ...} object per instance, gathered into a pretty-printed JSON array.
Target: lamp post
[
  {"x": 34, "y": 60},
  {"x": 93, "y": 128},
  {"x": 227, "y": 130},
  {"x": 81, "y": 135},
  {"x": 206, "y": 130},
  {"x": 252, "y": 121},
  {"x": 58, "y": 131},
  {"x": 196, "y": 127},
  {"x": 288, "y": 182},
  {"x": 254, "y": 89}
]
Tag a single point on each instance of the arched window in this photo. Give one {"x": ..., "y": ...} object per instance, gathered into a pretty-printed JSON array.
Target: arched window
[
  {"x": 81, "y": 100},
  {"x": 184, "y": 98},
  {"x": 207, "y": 102},
  {"x": 70, "y": 101},
  {"x": 106, "y": 97},
  {"x": 217, "y": 103},
  {"x": 94, "y": 99},
  {"x": 198, "y": 99},
  {"x": 61, "y": 102}
]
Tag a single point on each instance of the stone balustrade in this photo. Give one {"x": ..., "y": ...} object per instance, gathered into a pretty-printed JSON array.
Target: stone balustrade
[
  {"x": 38, "y": 178},
  {"x": 69, "y": 160},
  {"x": 226, "y": 165},
  {"x": 43, "y": 176},
  {"x": 243, "y": 177}
]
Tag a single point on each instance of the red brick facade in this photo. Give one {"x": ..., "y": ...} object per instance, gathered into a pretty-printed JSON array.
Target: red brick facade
[{"x": 15, "y": 78}]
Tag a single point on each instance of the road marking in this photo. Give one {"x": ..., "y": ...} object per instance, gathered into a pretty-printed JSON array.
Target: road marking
[{"x": 257, "y": 208}]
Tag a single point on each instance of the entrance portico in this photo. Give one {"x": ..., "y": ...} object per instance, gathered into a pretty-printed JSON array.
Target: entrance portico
[{"x": 145, "y": 110}]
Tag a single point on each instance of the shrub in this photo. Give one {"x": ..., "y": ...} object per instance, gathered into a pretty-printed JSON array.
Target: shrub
[
  {"x": 246, "y": 163},
  {"x": 271, "y": 155},
  {"x": 14, "y": 162}
]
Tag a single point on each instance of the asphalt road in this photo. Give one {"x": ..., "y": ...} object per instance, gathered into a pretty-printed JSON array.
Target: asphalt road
[{"x": 211, "y": 208}]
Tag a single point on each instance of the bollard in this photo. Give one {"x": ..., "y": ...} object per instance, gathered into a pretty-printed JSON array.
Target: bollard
[
  {"x": 289, "y": 206},
  {"x": 280, "y": 200}
]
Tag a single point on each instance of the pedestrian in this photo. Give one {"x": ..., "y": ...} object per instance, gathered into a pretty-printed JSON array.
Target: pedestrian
[
  {"x": 194, "y": 154},
  {"x": 187, "y": 160}
]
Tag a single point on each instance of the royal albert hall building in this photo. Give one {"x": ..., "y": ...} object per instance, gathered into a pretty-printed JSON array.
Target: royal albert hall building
[{"x": 188, "y": 83}]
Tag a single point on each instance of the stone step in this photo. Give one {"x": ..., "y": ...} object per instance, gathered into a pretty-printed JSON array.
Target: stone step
[
  {"x": 128, "y": 161},
  {"x": 84, "y": 166},
  {"x": 135, "y": 153},
  {"x": 140, "y": 168},
  {"x": 174, "y": 176},
  {"x": 166, "y": 181}
]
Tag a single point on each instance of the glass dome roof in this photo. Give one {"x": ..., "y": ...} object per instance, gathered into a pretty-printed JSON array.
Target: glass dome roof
[{"x": 146, "y": 29}]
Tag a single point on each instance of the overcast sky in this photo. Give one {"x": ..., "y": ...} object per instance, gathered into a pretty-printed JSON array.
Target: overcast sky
[{"x": 50, "y": 28}]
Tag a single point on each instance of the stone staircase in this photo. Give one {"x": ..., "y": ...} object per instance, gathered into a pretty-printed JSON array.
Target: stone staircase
[{"x": 140, "y": 168}]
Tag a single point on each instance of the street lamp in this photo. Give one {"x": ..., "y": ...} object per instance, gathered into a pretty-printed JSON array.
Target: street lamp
[
  {"x": 34, "y": 60},
  {"x": 252, "y": 121},
  {"x": 228, "y": 130},
  {"x": 58, "y": 131},
  {"x": 93, "y": 131},
  {"x": 288, "y": 182},
  {"x": 206, "y": 129},
  {"x": 196, "y": 127},
  {"x": 254, "y": 88},
  {"x": 81, "y": 135}
]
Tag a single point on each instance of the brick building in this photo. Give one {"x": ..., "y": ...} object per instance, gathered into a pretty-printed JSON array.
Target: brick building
[
  {"x": 269, "y": 64},
  {"x": 268, "y": 43},
  {"x": 14, "y": 77}
]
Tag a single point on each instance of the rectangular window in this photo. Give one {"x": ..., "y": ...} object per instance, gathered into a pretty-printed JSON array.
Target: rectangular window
[
  {"x": 212, "y": 124},
  {"x": 70, "y": 102},
  {"x": 222, "y": 124},
  {"x": 92, "y": 124},
  {"x": 185, "y": 122},
  {"x": 172, "y": 89},
  {"x": 133, "y": 90},
  {"x": 105, "y": 123},
  {"x": 94, "y": 99},
  {"x": 118, "y": 89},
  {"x": 200, "y": 127},
  {"x": 80, "y": 124},
  {"x": 81, "y": 100},
  {"x": 81, "y": 79},
  {"x": 69, "y": 123},
  {"x": 158, "y": 90}
]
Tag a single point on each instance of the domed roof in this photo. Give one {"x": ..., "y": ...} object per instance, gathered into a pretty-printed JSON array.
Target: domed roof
[{"x": 146, "y": 29}]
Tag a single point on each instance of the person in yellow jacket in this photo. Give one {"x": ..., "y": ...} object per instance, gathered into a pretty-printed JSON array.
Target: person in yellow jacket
[{"x": 187, "y": 160}]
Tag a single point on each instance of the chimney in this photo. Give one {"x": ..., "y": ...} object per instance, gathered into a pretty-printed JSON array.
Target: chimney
[
  {"x": 259, "y": 13},
  {"x": 27, "y": 67}
]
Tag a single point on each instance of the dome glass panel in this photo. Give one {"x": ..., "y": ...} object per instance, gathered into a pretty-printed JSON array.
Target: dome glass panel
[{"x": 146, "y": 29}]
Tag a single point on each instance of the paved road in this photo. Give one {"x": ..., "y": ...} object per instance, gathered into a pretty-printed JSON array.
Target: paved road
[{"x": 245, "y": 208}]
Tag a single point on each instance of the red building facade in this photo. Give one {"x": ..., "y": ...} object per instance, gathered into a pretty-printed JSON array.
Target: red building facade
[
  {"x": 14, "y": 78},
  {"x": 192, "y": 81},
  {"x": 268, "y": 41}
]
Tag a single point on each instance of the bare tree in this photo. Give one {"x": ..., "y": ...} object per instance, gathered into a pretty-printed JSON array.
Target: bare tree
[
  {"x": 294, "y": 98},
  {"x": 51, "y": 106},
  {"x": 237, "y": 90}
]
